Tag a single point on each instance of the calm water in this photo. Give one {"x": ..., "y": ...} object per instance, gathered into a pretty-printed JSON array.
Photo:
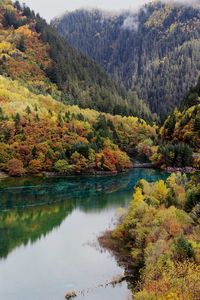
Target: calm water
[{"x": 48, "y": 231}]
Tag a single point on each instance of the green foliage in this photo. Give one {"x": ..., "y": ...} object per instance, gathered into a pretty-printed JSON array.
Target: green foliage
[
  {"x": 10, "y": 19},
  {"x": 155, "y": 51},
  {"x": 62, "y": 166},
  {"x": 179, "y": 155},
  {"x": 83, "y": 82},
  {"x": 192, "y": 98},
  {"x": 29, "y": 225},
  {"x": 21, "y": 44},
  {"x": 170, "y": 125},
  {"x": 193, "y": 198},
  {"x": 17, "y": 119},
  {"x": 183, "y": 126},
  {"x": 182, "y": 248}
]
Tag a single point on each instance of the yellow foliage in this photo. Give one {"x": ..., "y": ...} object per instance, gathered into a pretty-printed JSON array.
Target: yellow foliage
[
  {"x": 160, "y": 190},
  {"x": 138, "y": 196},
  {"x": 25, "y": 30},
  {"x": 5, "y": 47}
]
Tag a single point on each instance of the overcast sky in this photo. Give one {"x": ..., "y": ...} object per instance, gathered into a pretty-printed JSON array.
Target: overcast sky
[{"x": 52, "y": 8}]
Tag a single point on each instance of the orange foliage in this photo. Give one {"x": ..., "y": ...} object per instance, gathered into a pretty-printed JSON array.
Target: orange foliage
[{"x": 15, "y": 167}]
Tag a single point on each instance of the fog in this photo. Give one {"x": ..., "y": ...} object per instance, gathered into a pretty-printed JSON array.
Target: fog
[{"x": 50, "y": 9}]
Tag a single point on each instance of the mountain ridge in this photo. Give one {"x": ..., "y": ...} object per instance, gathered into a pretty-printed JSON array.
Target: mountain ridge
[
  {"x": 76, "y": 78},
  {"x": 148, "y": 51}
]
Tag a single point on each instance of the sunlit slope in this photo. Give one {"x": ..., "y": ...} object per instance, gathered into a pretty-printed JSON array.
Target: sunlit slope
[{"x": 43, "y": 134}]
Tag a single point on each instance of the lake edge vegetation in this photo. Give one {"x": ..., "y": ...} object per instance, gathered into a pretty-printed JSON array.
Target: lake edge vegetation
[{"x": 157, "y": 239}]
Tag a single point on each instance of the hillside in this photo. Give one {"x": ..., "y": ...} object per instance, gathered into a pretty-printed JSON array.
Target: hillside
[
  {"x": 155, "y": 52},
  {"x": 41, "y": 129},
  {"x": 183, "y": 126},
  {"x": 32, "y": 51},
  {"x": 38, "y": 133}
]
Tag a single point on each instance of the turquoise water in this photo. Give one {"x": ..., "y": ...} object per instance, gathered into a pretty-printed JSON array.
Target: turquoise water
[{"x": 48, "y": 235}]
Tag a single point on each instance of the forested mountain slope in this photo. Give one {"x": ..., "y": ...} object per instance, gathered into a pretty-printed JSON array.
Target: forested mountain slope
[
  {"x": 178, "y": 140},
  {"x": 34, "y": 52},
  {"x": 155, "y": 52},
  {"x": 38, "y": 133},
  {"x": 183, "y": 126},
  {"x": 40, "y": 129}
]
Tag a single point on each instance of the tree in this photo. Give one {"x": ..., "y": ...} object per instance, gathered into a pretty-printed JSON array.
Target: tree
[
  {"x": 17, "y": 120},
  {"x": 34, "y": 152},
  {"x": 28, "y": 110},
  {"x": 62, "y": 166},
  {"x": 21, "y": 44},
  {"x": 5, "y": 153},
  {"x": 10, "y": 19},
  {"x": 179, "y": 155},
  {"x": 17, "y": 5},
  {"x": 170, "y": 125},
  {"x": 183, "y": 248},
  {"x": 15, "y": 167},
  {"x": 79, "y": 162},
  {"x": 35, "y": 166},
  {"x": 197, "y": 124}
]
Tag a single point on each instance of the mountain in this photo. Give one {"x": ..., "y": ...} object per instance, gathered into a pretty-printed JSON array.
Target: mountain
[
  {"x": 33, "y": 51},
  {"x": 40, "y": 129},
  {"x": 155, "y": 51}
]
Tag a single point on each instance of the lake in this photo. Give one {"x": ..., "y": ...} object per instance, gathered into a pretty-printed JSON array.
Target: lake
[{"x": 48, "y": 235}]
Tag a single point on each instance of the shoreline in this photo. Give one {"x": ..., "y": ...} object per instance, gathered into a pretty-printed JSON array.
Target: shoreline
[
  {"x": 3, "y": 175},
  {"x": 122, "y": 256},
  {"x": 187, "y": 170}
]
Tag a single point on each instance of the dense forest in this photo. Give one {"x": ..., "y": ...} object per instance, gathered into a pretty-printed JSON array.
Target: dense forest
[
  {"x": 155, "y": 52},
  {"x": 38, "y": 71},
  {"x": 181, "y": 132},
  {"x": 34, "y": 52},
  {"x": 38, "y": 133},
  {"x": 61, "y": 114},
  {"x": 40, "y": 130}
]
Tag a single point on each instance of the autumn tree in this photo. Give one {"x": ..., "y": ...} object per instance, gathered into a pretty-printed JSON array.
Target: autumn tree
[{"x": 15, "y": 167}]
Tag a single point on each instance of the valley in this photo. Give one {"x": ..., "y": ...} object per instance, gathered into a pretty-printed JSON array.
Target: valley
[{"x": 100, "y": 153}]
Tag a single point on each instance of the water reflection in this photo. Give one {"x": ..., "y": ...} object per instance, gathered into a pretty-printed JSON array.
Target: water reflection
[{"x": 31, "y": 208}]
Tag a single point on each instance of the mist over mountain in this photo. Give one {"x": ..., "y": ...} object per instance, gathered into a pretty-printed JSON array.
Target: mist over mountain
[{"x": 155, "y": 51}]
